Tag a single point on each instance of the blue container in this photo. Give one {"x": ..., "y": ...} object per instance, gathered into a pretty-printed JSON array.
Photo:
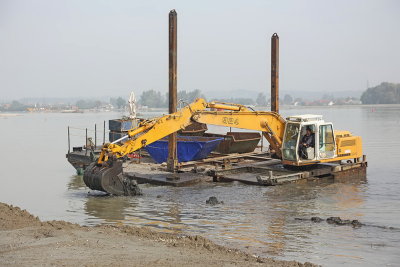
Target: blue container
[
  {"x": 120, "y": 125},
  {"x": 189, "y": 148}
]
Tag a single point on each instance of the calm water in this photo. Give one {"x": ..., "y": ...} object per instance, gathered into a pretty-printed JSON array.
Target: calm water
[{"x": 261, "y": 220}]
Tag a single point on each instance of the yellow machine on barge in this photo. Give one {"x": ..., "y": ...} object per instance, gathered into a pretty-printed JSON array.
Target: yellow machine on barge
[{"x": 283, "y": 135}]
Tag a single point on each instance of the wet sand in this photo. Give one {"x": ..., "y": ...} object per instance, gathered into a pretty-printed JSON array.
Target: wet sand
[{"x": 27, "y": 241}]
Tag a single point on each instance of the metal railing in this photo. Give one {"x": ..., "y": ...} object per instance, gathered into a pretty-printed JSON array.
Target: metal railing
[{"x": 86, "y": 135}]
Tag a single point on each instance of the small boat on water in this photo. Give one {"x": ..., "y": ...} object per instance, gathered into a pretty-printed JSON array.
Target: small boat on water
[
  {"x": 71, "y": 111},
  {"x": 81, "y": 157}
]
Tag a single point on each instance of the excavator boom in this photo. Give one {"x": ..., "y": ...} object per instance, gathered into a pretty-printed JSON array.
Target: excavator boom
[
  {"x": 152, "y": 130},
  {"x": 105, "y": 175},
  {"x": 270, "y": 123}
]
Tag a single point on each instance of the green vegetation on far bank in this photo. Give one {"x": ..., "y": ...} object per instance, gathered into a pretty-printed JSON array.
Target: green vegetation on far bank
[{"x": 385, "y": 93}]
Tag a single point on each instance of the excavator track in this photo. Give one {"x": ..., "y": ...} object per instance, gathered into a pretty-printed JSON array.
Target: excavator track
[{"x": 109, "y": 178}]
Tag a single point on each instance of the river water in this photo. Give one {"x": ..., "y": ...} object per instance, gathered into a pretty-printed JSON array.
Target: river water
[{"x": 36, "y": 176}]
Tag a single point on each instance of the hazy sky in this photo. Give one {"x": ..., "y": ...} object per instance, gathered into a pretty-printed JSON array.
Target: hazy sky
[{"x": 82, "y": 48}]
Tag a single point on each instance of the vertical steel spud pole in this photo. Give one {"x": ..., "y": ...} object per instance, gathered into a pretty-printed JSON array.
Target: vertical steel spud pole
[
  {"x": 172, "y": 146},
  {"x": 95, "y": 136},
  {"x": 275, "y": 73}
]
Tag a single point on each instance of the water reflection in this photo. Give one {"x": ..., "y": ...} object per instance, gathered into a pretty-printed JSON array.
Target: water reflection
[
  {"x": 107, "y": 208},
  {"x": 324, "y": 199},
  {"x": 259, "y": 219},
  {"x": 76, "y": 183}
]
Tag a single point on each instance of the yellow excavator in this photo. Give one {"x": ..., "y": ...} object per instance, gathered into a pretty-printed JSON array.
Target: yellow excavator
[{"x": 285, "y": 137}]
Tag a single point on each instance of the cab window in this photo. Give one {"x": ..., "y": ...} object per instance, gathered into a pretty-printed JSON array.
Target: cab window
[
  {"x": 290, "y": 142},
  {"x": 326, "y": 141}
]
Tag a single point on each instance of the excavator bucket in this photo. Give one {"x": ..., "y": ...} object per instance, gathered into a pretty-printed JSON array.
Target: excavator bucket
[{"x": 109, "y": 178}]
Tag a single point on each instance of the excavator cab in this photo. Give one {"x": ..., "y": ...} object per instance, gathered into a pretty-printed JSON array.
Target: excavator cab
[{"x": 308, "y": 139}]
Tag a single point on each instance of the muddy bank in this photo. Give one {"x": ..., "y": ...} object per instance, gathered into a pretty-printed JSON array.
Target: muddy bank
[{"x": 27, "y": 241}]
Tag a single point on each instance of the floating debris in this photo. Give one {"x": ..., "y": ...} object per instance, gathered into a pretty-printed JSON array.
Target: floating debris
[
  {"x": 316, "y": 219},
  {"x": 334, "y": 220},
  {"x": 339, "y": 221},
  {"x": 213, "y": 201}
]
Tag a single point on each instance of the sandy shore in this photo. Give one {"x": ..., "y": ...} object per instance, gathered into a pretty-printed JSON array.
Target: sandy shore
[
  {"x": 27, "y": 241},
  {"x": 7, "y": 115}
]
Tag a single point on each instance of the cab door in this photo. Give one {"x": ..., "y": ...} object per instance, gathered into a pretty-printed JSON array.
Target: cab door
[
  {"x": 326, "y": 141},
  {"x": 290, "y": 140}
]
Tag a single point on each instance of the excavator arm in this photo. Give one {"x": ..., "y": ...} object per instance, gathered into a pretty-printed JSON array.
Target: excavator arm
[
  {"x": 106, "y": 173},
  {"x": 152, "y": 130},
  {"x": 270, "y": 123}
]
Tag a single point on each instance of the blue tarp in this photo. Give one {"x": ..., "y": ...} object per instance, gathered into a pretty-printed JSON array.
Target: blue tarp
[{"x": 189, "y": 148}]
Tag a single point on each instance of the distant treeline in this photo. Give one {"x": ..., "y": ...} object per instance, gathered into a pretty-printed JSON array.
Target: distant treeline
[
  {"x": 154, "y": 99},
  {"x": 93, "y": 104},
  {"x": 385, "y": 93},
  {"x": 13, "y": 106}
]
